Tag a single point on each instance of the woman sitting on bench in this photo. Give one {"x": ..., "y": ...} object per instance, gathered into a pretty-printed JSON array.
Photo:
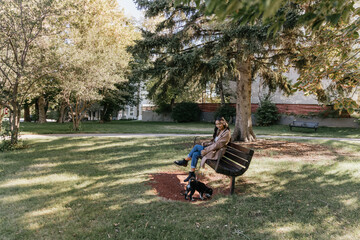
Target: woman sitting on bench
[{"x": 209, "y": 149}]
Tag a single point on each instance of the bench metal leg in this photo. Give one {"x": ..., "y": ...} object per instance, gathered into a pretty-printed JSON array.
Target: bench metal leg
[{"x": 232, "y": 186}]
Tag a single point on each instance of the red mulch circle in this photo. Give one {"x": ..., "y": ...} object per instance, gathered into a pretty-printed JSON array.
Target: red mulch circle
[{"x": 171, "y": 185}]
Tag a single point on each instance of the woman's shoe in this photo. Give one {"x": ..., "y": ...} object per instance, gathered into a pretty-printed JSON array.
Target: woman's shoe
[
  {"x": 191, "y": 174},
  {"x": 183, "y": 163}
]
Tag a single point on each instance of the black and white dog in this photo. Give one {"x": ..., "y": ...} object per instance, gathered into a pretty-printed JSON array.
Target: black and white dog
[{"x": 195, "y": 185}]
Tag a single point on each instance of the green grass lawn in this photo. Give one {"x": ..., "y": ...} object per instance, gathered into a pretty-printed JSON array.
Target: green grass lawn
[
  {"x": 97, "y": 188},
  {"x": 170, "y": 127},
  {"x": 118, "y": 127}
]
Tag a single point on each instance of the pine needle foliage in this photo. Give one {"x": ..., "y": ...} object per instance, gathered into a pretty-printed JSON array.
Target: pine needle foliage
[
  {"x": 187, "y": 49},
  {"x": 267, "y": 112}
]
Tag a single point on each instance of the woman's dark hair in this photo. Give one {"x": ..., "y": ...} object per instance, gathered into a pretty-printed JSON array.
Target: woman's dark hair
[{"x": 216, "y": 129}]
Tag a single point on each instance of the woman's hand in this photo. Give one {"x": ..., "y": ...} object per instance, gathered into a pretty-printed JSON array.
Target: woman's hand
[
  {"x": 206, "y": 143},
  {"x": 203, "y": 152}
]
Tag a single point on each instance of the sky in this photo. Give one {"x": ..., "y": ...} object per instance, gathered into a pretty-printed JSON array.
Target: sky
[{"x": 130, "y": 8}]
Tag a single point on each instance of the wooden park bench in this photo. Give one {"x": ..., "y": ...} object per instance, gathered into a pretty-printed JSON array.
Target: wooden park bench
[
  {"x": 234, "y": 162},
  {"x": 302, "y": 124}
]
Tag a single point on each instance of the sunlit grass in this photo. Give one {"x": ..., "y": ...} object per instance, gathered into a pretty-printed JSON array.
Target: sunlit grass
[
  {"x": 179, "y": 128},
  {"x": 97, "y": 188}
]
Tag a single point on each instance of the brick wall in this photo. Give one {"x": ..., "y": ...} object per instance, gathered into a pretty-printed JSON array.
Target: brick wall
[{"x": 299, "y": 109}]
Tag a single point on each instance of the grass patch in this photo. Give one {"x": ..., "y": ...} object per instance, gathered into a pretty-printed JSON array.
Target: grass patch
[
  {"x": 181, "y": 128},
  {"x": 118, "y": 127},
  {"x": 96, "y": 188},
  {"x": 283, "y": 130}
]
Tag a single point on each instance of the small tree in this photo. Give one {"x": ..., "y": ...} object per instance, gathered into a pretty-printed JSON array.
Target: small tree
[
  {"x": 2, "y": 114},
  {"x": 22, "y": 25},
  {"x": 267, "y": 112},
  {"x": 91, "y": 53}
]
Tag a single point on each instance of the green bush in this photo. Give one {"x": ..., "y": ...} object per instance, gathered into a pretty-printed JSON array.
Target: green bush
[
  {"x": 333, "y": 113},
  {"x": 226, "y": 111},
  {"x": 186, "y": 112},
  {"x": 5, "y": 143},
  {"x": 163, "y": 108},
  {"x": 267, "y": 113}
]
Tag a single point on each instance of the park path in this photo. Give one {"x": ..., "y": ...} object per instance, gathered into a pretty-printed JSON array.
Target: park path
[{"x": 132, "y": 135}]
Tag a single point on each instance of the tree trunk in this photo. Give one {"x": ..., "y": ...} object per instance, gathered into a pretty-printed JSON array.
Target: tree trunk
[
  {"x": 36, "y": 118},
  {"x": 76, "y": 122},
  {"x": 42, "y": 112},
  {"x": 172, "y": 102},
  {"x": 221, "y": 92},
  {"x": 2, "y": 114},
  {"x": 75, "y": 118},
  {"x": 62, "y": 108},
  {"x": 243, "y": 125},
  {"x": 76, "y": 113},
  {"x": 105, "y": 114},
  {"x": 15, "y": 123},
  {"x": 27, "y": 117},
  {"x": 138, "y": 109}
]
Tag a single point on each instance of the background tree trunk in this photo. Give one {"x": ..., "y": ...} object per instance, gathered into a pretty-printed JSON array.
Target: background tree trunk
[
  {"x": 243, "y": 125},
  {"x": 76, "y": 122},
  {"x": 62, "y": 108},
  {"x": 15, "y": 123},
  {"x": 36, "y": 117},
  {"x": 221, "y": 91},
  {"x": 27, "y": 117},
  {"x": 138, "y": 102},
  {"x": 77, "y": 113},
  {"x": 106, "y": 113},
  {"x": 2, "y": 114},
  {"x": 42, "y": 112}
]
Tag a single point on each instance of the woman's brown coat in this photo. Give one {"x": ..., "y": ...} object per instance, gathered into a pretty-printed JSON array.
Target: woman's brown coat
[{"x": 212, "y": 150}]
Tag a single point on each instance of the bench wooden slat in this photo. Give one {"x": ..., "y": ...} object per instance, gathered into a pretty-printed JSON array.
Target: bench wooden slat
[
  {"x": 225, "y": 168},
  {"x": 221, "y": 169},
  {"x": 241, "y": 148},
  {"x": 232, "y": 162},
  {"x": 238, "y": 159},
  {"x": 238, "y": 154},
  {"x": 229, "y": 165}
]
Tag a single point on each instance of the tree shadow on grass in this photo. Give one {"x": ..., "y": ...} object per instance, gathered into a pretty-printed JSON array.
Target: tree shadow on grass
[
  {"x": 65, "y": 188},
  {"x": 96, "y": 198},
  {"x": 307, "y": 205},
  {"x": 312, "y": 203}
]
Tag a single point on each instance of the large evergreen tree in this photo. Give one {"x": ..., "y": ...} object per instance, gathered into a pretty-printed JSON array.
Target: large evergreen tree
[{"x": 189, "y": 48}]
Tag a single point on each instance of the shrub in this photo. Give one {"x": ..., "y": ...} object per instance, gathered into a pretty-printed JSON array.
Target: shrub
[
  {"x": 226, "y": 111},
  {"x": 333, "y": 113},
  {"x": 186, "y": 112},
  {"x": 267, "y": 113},
  {"x": 163, "y": 108},
  {"x": 5, "y": 143}
]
